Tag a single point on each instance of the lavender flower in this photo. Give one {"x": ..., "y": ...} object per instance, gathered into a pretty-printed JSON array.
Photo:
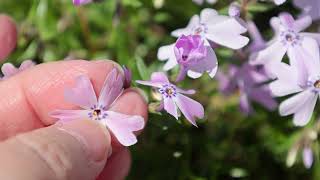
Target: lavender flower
[
  {"x": 200, "y": 2},
  {"x": 309, "y": 7},
  {"x": 302, "y": 80},
  {"x": 101, "y": 110},
  {"x": 194, "y": 58},
  {"x": 9, "y": 70},
  {"x": 173, "y": 98},
  {"x": 307, "y": 157},
  {"x": 288, "y": 39},
  {"x": 220, "y": 29},
  {"x": 247, "y": 81}
]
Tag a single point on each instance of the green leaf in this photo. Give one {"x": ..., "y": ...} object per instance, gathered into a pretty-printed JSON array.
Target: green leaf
[{"x": 142, "y": 68}]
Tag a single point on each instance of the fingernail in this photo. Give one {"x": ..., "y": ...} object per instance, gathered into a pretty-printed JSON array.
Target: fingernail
[{"x": 94, "y": 138}]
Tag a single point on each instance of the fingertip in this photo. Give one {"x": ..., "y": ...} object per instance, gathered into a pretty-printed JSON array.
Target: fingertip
[{"x": 8, "y": 36}]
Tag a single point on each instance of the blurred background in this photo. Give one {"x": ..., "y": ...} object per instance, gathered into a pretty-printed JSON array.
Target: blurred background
[{"x": 227, "y": 144}]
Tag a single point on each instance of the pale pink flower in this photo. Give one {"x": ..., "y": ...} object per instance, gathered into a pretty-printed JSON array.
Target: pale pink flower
[
  {"x": 101, "y": 110},
  {"x": 173, "y": 98}
]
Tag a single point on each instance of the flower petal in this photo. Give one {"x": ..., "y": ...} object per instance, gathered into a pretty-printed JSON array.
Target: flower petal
[
  {"x": 283, "y": 88},
  {"x": 166, "y": 52},
  {"x": 112, "y": 89},
  {"x": 122, "y": 127},
  {"x": 302, "y": 23},
  {"x": 315, "y": 36},
  {"x": 157, "y": 80},
  {"x": 26, "y": 64},
  {"x": 159, "y": 77},
  {"x": 194, "y": 21},
  {"x": 227, "y": 32},
  {"x": 9, "y": 70},
  {"x": 303, "y": 116},
  {"x": 307, "y": 156},
  {"x": 245, "y": 105},
  {"x": 68, "y": 115},
  {"x": 295, "y": 103},
  {"x": 189, "y": 91},
  {"x": 171, "y": 63},
  {"x": 170, "y": 107},
  {"x": 287, "y": 20},
  {"x": 193, "y": 74},
  {"x": 208, "y": 64},
  {"x": 82, "y": 94},
  {"x": 273, "y": 53},
  {"x": 312, "y": 59},
  {"x": 207, "y": 15},
  {"x": 263, "y": 96},
  {"x": 190, "y": 108},
  {"x": 150, "y": 83},
  {"x": 258, "y": 42}
]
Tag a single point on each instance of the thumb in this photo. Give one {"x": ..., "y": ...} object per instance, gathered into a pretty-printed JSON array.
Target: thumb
[{"x": 73, "y": 150}]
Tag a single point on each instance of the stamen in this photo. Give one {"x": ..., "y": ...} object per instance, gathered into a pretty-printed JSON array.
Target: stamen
[{"x": 317, "y": 84}]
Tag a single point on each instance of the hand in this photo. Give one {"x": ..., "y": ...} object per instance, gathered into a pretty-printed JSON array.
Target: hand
[{"x": 34, "y": 147}]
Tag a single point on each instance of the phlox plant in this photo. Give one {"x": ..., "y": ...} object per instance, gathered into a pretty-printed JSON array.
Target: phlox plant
[{"x": 232, "y": 86}]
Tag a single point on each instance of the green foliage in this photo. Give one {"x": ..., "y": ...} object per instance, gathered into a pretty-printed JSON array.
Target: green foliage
[{"x": 226, "y": 145}]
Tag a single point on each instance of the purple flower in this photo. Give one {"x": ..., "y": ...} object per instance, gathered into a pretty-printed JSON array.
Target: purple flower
[
  {"x": 302, "y": 80},
  {"x": 194, "y": 57},
  {"x": 127, "y": 77},
  {"x": 9, "y": 70},
  {"x": 288, "y": 39},
  {"x": 307, "y": 157},
  {"x": 279, "y": 2},
  {"x": 247, "y": 81},
  {"x": 257, "y": 41},
  {"x": 101, "y": 110},
  {"x": 81, "y": 2},
  {"x": 173, "y": 98},
  {"x": 200, "y": 2},
  {"x": 220, "y": 29},
  {"x": 309, "y": 7}
]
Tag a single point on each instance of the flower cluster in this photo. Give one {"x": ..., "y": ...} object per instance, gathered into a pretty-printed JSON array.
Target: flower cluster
[{"x": 194, "y": 53}]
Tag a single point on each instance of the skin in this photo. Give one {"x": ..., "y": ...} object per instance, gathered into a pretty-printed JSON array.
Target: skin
[{"x": 34, "y": 146}]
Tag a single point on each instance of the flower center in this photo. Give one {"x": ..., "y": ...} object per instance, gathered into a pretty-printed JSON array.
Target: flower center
[
  {"x": 97, "y": 113},
  {"x": 314, "y": 83},
  {"x": 317, "y": 84},
  {"x": 168, "y": 91},
  {"x": 290, "y": 37},
  {"x": 201, "y": 29},
  {"x": 184, "y": 57}
]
